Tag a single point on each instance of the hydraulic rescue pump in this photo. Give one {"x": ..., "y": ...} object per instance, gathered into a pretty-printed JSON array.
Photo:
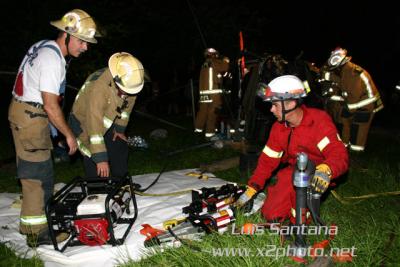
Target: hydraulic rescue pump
[{"x": 90, "y": 209}]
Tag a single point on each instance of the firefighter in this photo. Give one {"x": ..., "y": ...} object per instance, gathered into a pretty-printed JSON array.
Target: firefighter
[
  {"x": 212, "y": 72},
  {"x": 297, "y": 129},
  {"x": 101, "y": 113},
  {"x": 352, "y": 98},
  {"x": 39, "y": 83}
]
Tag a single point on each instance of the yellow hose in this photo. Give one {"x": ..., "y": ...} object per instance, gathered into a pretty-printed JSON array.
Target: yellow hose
[
  {"x": 177, "y": 193},
  {"x": 347, "y": 200}
]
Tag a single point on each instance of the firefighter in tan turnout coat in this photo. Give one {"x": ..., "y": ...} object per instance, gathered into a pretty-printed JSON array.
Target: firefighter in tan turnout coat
[
  {"x": 353, "y": 98},
  {"x": 101, "y": 113},
  {"x": 212, "y": 72}
]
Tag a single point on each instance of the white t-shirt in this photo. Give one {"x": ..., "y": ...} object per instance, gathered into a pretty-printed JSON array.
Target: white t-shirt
[{"x": 43, "y": 71}]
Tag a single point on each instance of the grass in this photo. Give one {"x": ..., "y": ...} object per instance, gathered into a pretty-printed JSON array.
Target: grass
[{"x": 372, "y": 226}]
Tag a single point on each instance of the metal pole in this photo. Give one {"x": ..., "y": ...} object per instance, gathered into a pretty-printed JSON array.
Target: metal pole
[{"x": 197, "y": 24}]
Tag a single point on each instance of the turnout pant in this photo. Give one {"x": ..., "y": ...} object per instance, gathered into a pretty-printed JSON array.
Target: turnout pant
[
  {"x": 207, "y": 115},
  {"x": 117, "y": 152},
  {"x": 31, "y": 134},
  {"x": 281, "y": 197},
  {"x": 355, "y": 127},
  {"x": 352, "y": 126}
]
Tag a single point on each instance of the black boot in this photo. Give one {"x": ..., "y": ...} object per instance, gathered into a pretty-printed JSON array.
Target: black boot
[{"x": 36, "y": 239}]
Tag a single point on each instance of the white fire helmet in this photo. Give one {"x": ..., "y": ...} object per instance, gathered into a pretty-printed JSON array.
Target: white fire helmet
[
  {"x": 127, "y": 71},
  {"x": 338, "y": 57},
  {"x": 79, "y": 24},
  {"x": 286, "y": 87}
]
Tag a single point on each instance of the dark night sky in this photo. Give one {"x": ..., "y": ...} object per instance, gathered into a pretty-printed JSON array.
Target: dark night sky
[{"x": 164, "y": 35}]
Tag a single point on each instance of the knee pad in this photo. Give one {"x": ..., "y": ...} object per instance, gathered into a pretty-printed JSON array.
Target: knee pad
[{"x": 42, "y": 171}]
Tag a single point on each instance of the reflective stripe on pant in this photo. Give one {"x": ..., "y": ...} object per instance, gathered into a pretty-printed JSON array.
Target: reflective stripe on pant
[{"x": 33, "y": 218}]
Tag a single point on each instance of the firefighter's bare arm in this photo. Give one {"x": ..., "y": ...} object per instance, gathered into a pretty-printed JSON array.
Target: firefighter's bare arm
[
  {"x": 103, "y": 169},
  {"x": 56, "y": 117}
]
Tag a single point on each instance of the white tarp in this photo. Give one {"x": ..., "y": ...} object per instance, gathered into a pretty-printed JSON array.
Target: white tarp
[{"x": 151, "y": 210}]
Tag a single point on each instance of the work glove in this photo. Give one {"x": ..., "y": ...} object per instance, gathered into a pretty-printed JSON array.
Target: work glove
[
  {"x": 246, "y": 196},
  {"x": 322, "y": 178}
]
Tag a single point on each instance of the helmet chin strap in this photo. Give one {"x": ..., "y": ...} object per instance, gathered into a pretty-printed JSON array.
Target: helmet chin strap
[
  {"x": 69, "y": 57},
  {"x": 286, "y": 111}
]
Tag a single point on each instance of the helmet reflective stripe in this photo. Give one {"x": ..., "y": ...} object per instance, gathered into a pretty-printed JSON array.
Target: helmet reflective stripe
[
  {"x": 83, "y": 149},
  {"x": 323, "y": 143},
  {"x": 107, "y": 122},
  {"x": 96, "y": 139},
  {"x": 33, "y": 220},
  {"x": 210, "y": 78},
  {"x": 271, "y": 153}
]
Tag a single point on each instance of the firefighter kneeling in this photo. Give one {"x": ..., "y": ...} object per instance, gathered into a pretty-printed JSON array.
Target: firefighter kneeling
[{"x": 297, "y": 129}]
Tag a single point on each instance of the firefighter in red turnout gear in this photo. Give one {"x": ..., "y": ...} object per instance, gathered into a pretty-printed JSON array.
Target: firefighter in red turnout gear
[{"x": 297, "y": 129}]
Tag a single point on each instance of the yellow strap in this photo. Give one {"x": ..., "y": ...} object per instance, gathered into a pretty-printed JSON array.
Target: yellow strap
[
  {"x": 199, "y": 175},
  {"x": 177, "y": 193},
  {"x": 347, "y": 200}
]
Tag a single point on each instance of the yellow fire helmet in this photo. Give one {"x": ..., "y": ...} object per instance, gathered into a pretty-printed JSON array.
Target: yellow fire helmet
[
  {"x": 127, "y": 71},
  {"x": 79, "y": 24}
]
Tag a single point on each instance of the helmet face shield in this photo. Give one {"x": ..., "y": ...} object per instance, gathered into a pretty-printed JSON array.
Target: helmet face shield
[
  {"x": 79, "y": 24},
  {"x": 127, "y": 71}
]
